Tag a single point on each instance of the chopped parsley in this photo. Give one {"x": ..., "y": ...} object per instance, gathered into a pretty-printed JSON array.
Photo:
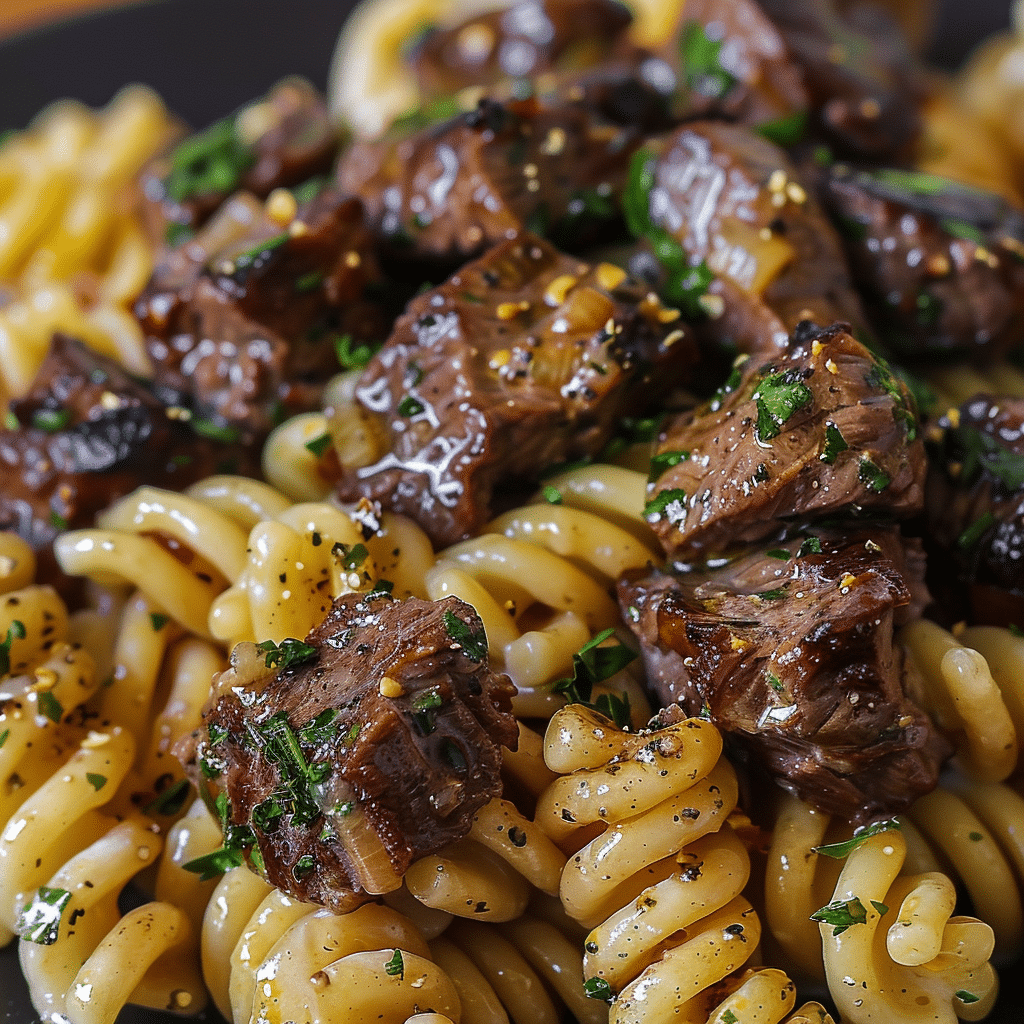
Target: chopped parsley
[
  {"x": 980, "y": 451},
  {"x": 663, "y": 504},
  {"x": 597, "y": 988},
  {"x": 594, "y": 663},
  {"x": 774, "y": 682},
  {"x": 728, "y": 1017},
  {"x": 772, "y": 595},
  {"x": 351, "y": 558},
  {"x": 321, "y": 729},
  {"x": 970, "y": 537},
  {"x": 214, "y": 864},
  {"x": 410, "y": 406},
  {"x": 778, "y": 396},
  {"x": 841, "y": 915},
  {"x": 16, "y": 631},
  {"x": 303, "y": 866},
  {"x": 158, "y": 620},
  {"x": 51, "y": 420},
  {"x": 50, "y": 706},
  {"x": 39, "y": 921},
  {"x": 834, "y": 443},
  {"x": 664, "y": 461},
  {"x": 966, "y": 997},
  {"x": 290, "y": 653},
  {"x": 3, "y": 737},
  {"x": 318, "y": 445},
  {"x": 873, "y": 476},
  {"x": 425, "y": 705},
  {"x": 810, "y": 546},
  {"x": 839, "y": 851},
  {"x": 213, "y": 160},
  {"x": 258, "y": 253},
  {"x": 780, "y": 553},
  {"x": 349, "y": 357},
  {"x": 225, "y": 433},
  {"x": 701, "y": 57},
  {"x": 785, "y": 131},
  {"x": 552, "y": 494},
  {"x": 881, "y": 377},
  {"x": 171, "y": 800},
  {"x": 472, "y": 639},
  {"x": 422, "y": 117},
  {"x": 96, "y": 781},
  {"x": 309, "y": 282},
  {"x": 395, "y": 967}
]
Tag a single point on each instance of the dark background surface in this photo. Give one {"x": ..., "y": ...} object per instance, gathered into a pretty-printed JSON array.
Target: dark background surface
[{"x": 206, "y": 57}]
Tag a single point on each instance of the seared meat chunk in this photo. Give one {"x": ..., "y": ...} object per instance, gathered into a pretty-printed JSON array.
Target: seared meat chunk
[
  {"x": 825, "y": 428},
  {"x": 866, "y": 90},
  {"x": 732, "y": 62},
  {"x": 738, "y": 236},
  {"x": 527, "y": 38},
  {"x": 942, "y": 264},
  {"x": 791, "y": 651},
  {"x": 282, "y": 140},
  {"x": 975, "y": 510},
  {"x": 241, "y": 322},
  {"x": 524, "y": 359},
  {"x": 88, "y": 434},
  {"x": 340, "y": 760},
  {"x": 451, "y": 190}
]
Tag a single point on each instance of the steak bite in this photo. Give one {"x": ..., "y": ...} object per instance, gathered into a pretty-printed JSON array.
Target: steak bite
[
  {"x": 449, "y": 191},
  {"x": 522, "y": 40},
  {"x": 791, "y": 652},
  {"x": 823, "y": 429},
  {"x": 524, "y": 359},
  {"x": 339, "y": 761},
  {"x": 940, "y": 264},
  {"x": 975, "y": 510},
  {"x": 738, "y": 236},
  {"x": 866, "y": 89},
  {"x": 279, "y": 141},
  {"x": 87, "y": 434},
  {"x": 241, "y": 322}
]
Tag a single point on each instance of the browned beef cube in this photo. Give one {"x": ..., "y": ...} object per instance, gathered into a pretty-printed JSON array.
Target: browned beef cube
[
  {"x": 280, "y": 141},
  {"x": 975, "y": 510},
  {"x": 941, "y": 264},
  {"x": 524, "y": 359},
  {"x": 452, "y": 190},
  {"x": 522, "y": 40},
  {"x": 241, "y": 322},
  {"x": 866, "y": 90},
  {"x": 726, "y": 214},
  {"x": 88, "y": 434},
  {"x": 791, "y": 652},
  {"x": 378, "y": 737},
  {"x": 732, "y": 62},
  {"x": 824, "y": 429}
]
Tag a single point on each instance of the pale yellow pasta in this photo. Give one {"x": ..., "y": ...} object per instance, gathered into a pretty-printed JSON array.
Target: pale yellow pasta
[
  {"x": 17, "y": 563},
  {"x": 865, "y": 981},
  {"x": 289, "y": 465},
  {"x": 245, "y": 501},
  {"x": 615, "y": 494},
  {"x": 964, "y": 700}
]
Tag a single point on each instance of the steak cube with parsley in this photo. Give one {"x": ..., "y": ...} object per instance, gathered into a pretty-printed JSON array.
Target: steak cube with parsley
[
  {"x": 281, "y": 140},
  {"x": 242, "y": 322},
  {"x": 975, "y": 510},
  {"x": 554, "y": 166},
  {"x": 791, "y": 652},
  {"x": 337, "y": 761},
  {"x": 824, "y": 429},
  {"x": 940, "y": 264},
  {"x": 738, "y": 239},
  {"x": 524, "y": 359},
  {"x": 87, "y": 434}
]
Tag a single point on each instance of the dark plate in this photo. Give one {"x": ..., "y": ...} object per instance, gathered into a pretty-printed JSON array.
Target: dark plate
[{"x": 206, "y": 57}]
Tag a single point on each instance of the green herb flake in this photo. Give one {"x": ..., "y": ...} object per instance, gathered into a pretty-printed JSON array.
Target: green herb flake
[
  {"x": 780, "y": 553},
  {"x": 40, "y": 920},
  {"x": 970, "y": 537},
  {"x": 841, "y": 915},
  {"x": 309, "y": 282},
  {"x": 210, "y": 161},
  {"x": 594, "y": 663},
  {"x": 702, "y": 63},
  {"x": 728, "y": 1017},
  {"x": 57, "y": 521},
  {"x": 318, "y": 445},
  {"x": 96, "y": 781},
  {"x": 303, "y": 866},
  {"x": 785, "y": 131},
  {"x": 51, "y": 420},
  {"x": 351, "y": 356},
  {"x": 774, "y": 682},
  {"x": 50, "y": 706},
  {"x": 351, "y": 558},
  {"x": 158, "y": 620},
  {"x": 810, "y": 546},
  {"x": 250, "y": 257},
  {"x": 778, "y": 397},
  {"x": 664, "y": 461},
  {"x": 3, "y": 737},
  {"x": 966, "y": 997},
  {"x": 353, "y": 732},
  {"x": 597, "y": 988},
  {"x": 975, "y": 837},
  {"x": 213, "y": 865},
  {"x": 873, "y": 476},
  {"x": 177, "y": 234},
  {"x": 321, "y": 730},
  {"x": 834, "y": 443},
  {"x": 840, "y": 851},
  {"x": 222, "y": 432},
  {"x": 290, "y": 653},
  {"x": 880, "y": 908},
  {"x": 670, "y": 504},
  {"x": 395, "y": 967},
  {"x": 410, "y": 406},
  {"x": 772, "y": 595},
  {"x": 916, "y": 182},
  {"x": 171, "y": 800},
  {"x": 614, "y": 706},
  {"x": 1015, "y": 630},
  {"x": 965, "y": 231},
  {"x": 552, "y": 495},
  {"x": 16, "y": 631},
  {"x": 472, "y": 639},
  {"x": 982, "y": 452},
  {"x": 11, "y": 422}
]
